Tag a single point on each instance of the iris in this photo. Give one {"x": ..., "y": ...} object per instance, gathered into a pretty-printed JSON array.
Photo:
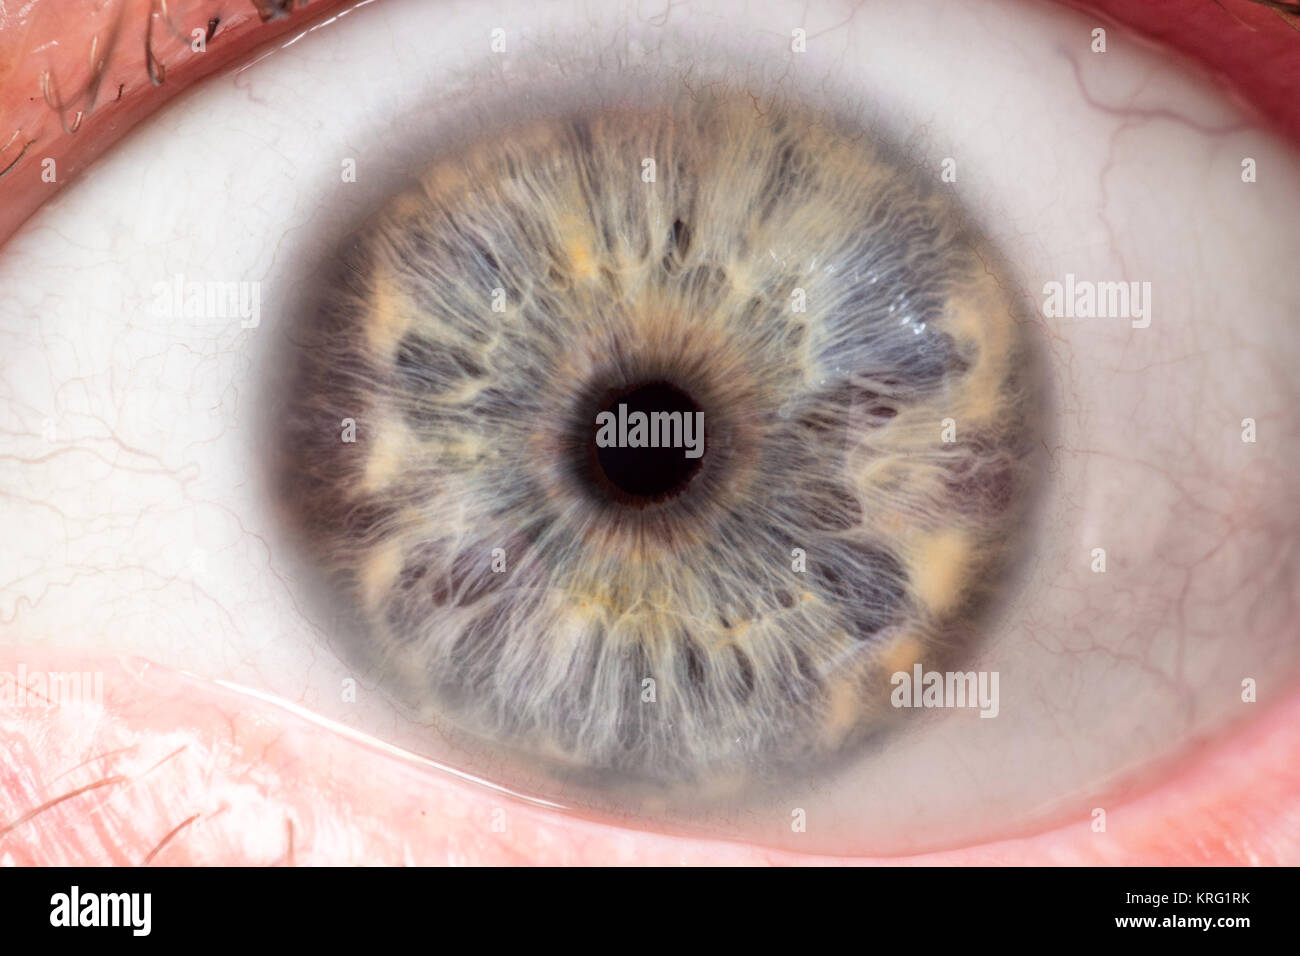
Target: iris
[{"x": 636, "y": 616}]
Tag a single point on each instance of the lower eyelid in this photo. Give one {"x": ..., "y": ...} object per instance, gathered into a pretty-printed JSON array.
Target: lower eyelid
[{"x": 183, "y": 771}]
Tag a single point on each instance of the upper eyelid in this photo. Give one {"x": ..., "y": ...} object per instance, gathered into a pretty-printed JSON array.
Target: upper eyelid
[
  {"x": 1264, "y": 40},
  {"x": 65, "y": 96}
]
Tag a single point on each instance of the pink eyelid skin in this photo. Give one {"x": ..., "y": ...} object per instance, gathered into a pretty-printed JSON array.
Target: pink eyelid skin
[{"x": 176, "y": 770}]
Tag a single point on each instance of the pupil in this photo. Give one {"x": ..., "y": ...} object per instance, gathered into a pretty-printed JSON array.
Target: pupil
[{"x": 644, "y": 472}]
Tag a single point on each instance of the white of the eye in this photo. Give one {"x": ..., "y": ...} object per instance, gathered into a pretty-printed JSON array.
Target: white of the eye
[{"x": 133, "y": 512}]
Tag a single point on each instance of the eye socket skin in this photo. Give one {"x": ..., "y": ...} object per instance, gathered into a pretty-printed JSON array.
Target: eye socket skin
[{"x": 1281, "y": 829}]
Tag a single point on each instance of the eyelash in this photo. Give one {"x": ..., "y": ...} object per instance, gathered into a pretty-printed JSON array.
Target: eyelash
[{"x": 108, "y": 52}]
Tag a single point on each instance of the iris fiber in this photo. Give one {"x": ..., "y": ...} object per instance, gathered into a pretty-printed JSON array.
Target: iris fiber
[{"x": 825, "y": 310}]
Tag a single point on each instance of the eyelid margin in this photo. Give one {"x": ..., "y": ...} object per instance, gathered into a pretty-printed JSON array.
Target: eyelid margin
[
  {"x": 109, "y": 52},
  {"x": 177, "y": 771},
  {"x": 1254, "y": 48}
]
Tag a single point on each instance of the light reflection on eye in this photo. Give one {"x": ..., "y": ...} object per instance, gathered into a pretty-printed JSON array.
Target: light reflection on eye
[{"x": 1121, "y": 358}]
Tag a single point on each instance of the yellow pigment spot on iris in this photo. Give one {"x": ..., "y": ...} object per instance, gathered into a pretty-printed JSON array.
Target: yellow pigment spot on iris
[
  {"x": 467, "y": 448},
  {"x": 984, "y": 323},
  {"x": 409, "y": 206},
  {"x": 901, "y": 654},
  {"x": 578, "y": 248},
  {"x": 940, "y": 567},
  {"x": 378, "y": 572},
  {"x": 573, "y": 626},
  {"x": 843, "y": 711},
  {"x": 894, "y": 483},
  {"x": 389, "y": 318},
  {"x": 584, "y": 266},
  {"x": 742, "y": 278},
  {"x": 388, "y": 456},
  {"x": 447, "y": 179}
]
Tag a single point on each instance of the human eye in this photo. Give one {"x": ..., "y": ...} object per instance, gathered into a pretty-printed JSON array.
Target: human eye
[{"x": 352, "y": 488}]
